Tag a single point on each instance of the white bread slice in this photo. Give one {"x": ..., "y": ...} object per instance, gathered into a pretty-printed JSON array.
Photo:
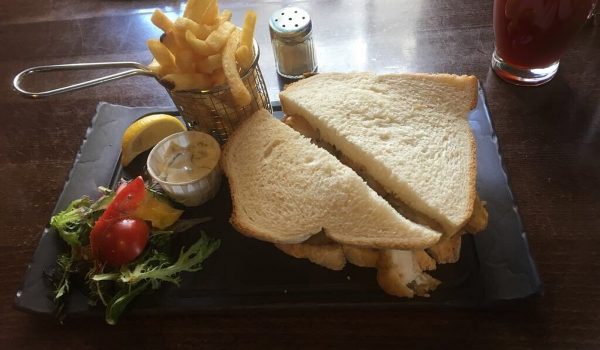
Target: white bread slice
[
  {"x": 409, "y": 132},
  {"x": 284, "y": 189}
]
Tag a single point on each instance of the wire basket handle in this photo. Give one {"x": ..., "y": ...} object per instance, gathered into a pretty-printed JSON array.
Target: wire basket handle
[{"x": 138, "y": 69}]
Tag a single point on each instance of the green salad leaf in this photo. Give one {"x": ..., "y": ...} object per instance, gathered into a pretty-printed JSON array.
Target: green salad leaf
[
  {"x": 119, "y": 302},
  {"x": 117, "y": 288},
  {"x": 76, "y": 221},
  {"x": 152, "y": 271}
]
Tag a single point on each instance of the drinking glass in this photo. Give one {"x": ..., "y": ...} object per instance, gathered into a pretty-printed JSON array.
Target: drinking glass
[{"x": 531, "y": 36}]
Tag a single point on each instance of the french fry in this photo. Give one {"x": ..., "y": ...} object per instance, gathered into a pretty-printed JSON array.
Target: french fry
[
  {"x": 195, "y": 9},
  {"x": 171, "y": 41},
  {"x": 155, "y": 67},
  {"x": 199, "y": 47},
  {"x": 161, "y": 20},
  {"x": 204, "y": 49},
  {"x": 210, "y": 64},
  {"x": 211, "y": 13},
  {"x": 178, "y": 34},
  {"x": 184, "y": 59},
  {"x": 183, "y": 24},
  {"x": 184, "y": 82},
  {"x": 219, "y": 37},
  {"x": 240, "y": 94},
  {"x": 247, "y": 37},
  {"x": 218, "y": 77},
  {"x": 189, "y": 7},
  {"x": 224, "y": 16},
  {"x": 244, "y": 57},
  {"x": 164, "y": 57}
]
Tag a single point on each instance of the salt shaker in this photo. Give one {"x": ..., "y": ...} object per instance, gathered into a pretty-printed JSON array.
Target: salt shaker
[{"x": 291, "y": 37}]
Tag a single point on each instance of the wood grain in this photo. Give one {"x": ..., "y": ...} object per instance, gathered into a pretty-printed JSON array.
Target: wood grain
[{"x": 549, "y": 137}]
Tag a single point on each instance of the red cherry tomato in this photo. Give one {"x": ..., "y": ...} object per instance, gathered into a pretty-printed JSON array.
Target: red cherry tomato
[
  {"x": 126, "y": 201},
  {"x": 122, "y": 242},
  {"x": 121, "y": 186}
]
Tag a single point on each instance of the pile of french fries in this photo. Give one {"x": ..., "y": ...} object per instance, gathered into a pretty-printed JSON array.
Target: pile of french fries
[{"x": 203, "y": 49}]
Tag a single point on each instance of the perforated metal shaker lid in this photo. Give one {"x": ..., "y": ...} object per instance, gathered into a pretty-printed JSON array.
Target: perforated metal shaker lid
[{"x": 290, "y": 23}]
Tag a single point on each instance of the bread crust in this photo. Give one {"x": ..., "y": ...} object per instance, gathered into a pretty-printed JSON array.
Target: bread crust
[
  {"x": 473, "y": 86},
  {"x": 472, "y": 194}
]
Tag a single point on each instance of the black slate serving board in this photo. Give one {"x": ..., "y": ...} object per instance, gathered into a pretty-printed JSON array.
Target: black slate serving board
[{"x": 247, "y": 273}]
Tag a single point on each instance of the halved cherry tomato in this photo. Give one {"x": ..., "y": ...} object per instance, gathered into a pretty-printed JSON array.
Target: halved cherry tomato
[
  {"x": 126, "y": 201},
  {"x": 122, "y": 242},
  {"x": 122, "y": 185}
]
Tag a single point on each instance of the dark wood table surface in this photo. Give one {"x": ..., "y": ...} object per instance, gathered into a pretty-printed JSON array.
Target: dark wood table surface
[{"x": 549, "y": 136}]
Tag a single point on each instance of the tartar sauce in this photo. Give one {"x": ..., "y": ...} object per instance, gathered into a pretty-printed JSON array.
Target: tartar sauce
[{"x": 187, "y": 163}]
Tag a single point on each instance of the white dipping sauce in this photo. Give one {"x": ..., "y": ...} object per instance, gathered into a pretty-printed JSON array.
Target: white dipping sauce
[{"x": 187, "y": 163}]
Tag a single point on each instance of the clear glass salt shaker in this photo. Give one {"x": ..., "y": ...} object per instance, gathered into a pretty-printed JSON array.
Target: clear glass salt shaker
[{"x": 293, "y": 46}]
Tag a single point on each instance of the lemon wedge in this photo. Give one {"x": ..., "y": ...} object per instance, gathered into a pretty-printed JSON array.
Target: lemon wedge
[{"x": 146, "y": 132}]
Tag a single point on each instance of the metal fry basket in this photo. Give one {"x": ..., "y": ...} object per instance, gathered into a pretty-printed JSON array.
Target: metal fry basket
[
  {"x": 212, "y": 111},
  {"x": 215, "y": 112}
]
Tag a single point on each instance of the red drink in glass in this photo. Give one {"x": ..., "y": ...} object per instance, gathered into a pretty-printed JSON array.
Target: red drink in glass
[{"x": 531, "y": 35}]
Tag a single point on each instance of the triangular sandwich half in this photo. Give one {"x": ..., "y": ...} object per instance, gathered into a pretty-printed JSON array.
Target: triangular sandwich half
[{"x": 407, "y": 132}]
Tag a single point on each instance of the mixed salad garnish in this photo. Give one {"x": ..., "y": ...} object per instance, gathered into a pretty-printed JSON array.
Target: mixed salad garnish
[{"x": 120, "y": 246}]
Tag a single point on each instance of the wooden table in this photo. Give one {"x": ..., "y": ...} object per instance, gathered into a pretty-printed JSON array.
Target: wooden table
[{"x": 549, "y": 136}]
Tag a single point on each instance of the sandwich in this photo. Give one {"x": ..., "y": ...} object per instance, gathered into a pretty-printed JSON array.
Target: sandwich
[
  {"x": 407, "y": 135},
  {"x": 403, "y": 142},
  {"x": 288, "y": 191}
]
